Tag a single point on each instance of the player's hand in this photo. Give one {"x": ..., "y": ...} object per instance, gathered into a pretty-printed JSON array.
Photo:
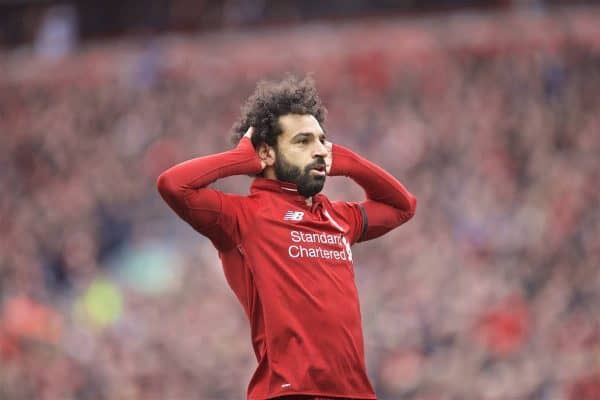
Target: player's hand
[
  {"x": 249, "y": 134},
  {"x": 328, "y": 157}
]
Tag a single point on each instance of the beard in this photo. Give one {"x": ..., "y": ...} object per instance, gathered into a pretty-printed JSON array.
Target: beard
[{"x": 308, "y": 185}]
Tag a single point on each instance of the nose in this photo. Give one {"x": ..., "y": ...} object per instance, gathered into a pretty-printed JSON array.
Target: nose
[{"x": 320, "y": 150}]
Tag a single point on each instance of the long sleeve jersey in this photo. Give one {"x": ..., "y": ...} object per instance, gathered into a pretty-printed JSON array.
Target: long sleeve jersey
[{"x": 290, "y": 264}]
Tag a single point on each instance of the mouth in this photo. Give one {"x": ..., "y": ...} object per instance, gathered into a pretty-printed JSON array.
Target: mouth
[{"x": 318, "y": 170}]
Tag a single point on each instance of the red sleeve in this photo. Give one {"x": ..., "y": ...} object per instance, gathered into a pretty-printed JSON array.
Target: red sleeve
[
  {"x": 388, "y": 203},
  {"x": 352, "y": 213},
  {"x": 208, "y": 211}
]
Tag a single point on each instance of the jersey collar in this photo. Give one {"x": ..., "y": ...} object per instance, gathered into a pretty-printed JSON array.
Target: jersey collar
[{"x": 287, "y": 189}]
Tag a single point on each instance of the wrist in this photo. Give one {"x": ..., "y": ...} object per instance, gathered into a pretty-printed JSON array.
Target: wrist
[
  {"x": 342, "y": 160},
  {"x": 248, "y": 156}
]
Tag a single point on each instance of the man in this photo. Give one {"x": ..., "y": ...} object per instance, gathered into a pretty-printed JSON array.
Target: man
[{"x": 285, "y": 248}]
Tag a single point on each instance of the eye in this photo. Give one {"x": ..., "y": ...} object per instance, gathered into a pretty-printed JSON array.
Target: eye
[
  {"x": 304, "y": 141},
  {"x": 322, "y": 139}
]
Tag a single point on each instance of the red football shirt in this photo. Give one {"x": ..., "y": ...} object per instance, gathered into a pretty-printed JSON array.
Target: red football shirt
[{"x": 290, "y": 265}]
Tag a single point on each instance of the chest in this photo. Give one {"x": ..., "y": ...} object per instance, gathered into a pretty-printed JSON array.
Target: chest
[{"x": 296, "y": 234}]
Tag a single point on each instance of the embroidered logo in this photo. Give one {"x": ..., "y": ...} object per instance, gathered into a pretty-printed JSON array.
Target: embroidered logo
[{"x": 293, "y": 216}]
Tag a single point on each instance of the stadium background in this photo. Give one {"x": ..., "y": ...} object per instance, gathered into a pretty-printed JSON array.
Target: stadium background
[{"x": 489, "y": 111}]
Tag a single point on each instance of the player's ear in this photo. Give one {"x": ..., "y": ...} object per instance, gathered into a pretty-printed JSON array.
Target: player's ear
[{"x": 267, "y": 154}]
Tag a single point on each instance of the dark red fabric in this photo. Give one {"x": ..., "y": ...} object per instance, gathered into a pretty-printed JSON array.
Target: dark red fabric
[
  {"x": 304, "y": 397},
  {"x": 388, "y": 203},
  {"x": 290, "y": 265}
]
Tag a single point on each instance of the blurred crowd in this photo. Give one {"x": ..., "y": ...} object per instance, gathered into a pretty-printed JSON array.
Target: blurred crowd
[{"x": 492, "y": 291}]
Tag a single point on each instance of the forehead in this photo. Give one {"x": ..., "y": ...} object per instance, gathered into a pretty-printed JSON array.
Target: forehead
[{"x": 292, "y": 124}]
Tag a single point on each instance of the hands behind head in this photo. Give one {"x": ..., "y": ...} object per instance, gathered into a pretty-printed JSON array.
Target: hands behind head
[
  {"x": 328, "y": 157},
  {"x": 249, "y": 134}
]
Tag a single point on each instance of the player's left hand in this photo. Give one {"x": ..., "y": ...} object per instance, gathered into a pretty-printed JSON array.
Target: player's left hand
[{"x": 328, "y": 157}]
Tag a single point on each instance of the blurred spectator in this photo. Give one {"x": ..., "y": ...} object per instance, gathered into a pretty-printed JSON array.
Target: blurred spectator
[{"x": 57, "y": 35}]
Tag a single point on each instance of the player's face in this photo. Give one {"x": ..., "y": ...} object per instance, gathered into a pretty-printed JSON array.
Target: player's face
[{"x": 300, "y": 153}]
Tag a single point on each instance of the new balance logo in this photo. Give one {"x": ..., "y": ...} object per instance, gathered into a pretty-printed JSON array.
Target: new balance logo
[{"x": 293, "y": 216}]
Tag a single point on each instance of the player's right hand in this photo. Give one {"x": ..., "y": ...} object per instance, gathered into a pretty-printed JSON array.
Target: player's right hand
[{"x": 249, "y": 134}]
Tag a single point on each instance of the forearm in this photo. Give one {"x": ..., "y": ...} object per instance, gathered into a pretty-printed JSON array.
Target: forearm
[
  {"x": 202, "y": 171},
  {"x": 197, "y": 173},
  {"x": 379, "y": 185}
]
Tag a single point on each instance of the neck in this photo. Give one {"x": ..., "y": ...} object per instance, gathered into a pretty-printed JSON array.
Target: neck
[{"x": 269, "y": 173}]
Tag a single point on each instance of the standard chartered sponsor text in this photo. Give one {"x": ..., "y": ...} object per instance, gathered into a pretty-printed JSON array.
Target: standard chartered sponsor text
[{"x": 301, "y": 251}]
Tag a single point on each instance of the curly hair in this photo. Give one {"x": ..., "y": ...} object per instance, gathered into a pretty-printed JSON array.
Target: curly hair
[{"x": 271, "y": 100}]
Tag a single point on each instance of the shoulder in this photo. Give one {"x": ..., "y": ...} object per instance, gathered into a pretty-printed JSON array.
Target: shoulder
[
  {"x": 344, "y": 209},
  {"x": 353, "y": 214},
  {"x": 256, "y": 206}
]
